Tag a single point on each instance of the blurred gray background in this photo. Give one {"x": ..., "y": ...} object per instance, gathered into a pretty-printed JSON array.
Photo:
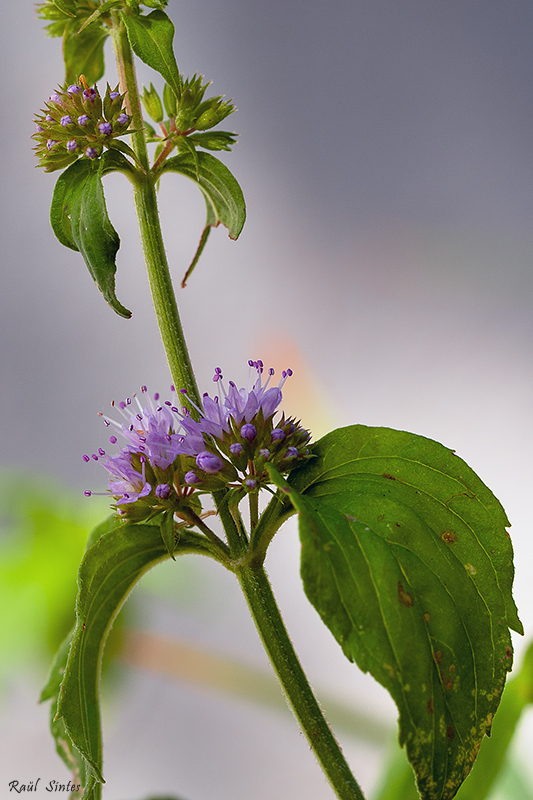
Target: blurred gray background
[{"x": 385, "y": 153}]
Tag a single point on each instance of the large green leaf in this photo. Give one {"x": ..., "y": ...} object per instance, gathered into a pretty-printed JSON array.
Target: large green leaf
[
  {"x": 79, "y": 220},
  {"x": 223, "y": 196},
  {"x": 406, "y": 558},
  {"x": 84, "y": 52},
  {"x": 151, "y": 40},
  {"x": 112, "y": 565},
  {"x": 83, "y": 776},
  {"x": 493, "y": 768}
]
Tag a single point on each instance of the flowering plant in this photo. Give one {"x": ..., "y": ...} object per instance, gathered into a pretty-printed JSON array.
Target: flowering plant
[{"x": 405, "y": 554}]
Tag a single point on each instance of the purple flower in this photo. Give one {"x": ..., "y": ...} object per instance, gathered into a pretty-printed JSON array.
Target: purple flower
[
  {"x": 292, "y": 452},
  {"x": 91, "y": 153},
  {"x": 130, "y": 484},
  {"x": 66, "y": 121},
  {"x": 105, "y": 128},
  {"x": 55, "y": 98},
  {"x": 148, "y": 429},
  {"x": 114, "y": 95},
  {"x": 51, "y": 143},
  {"x": 89, "y": 94},
  {"x": 74, "y": 89},
  {"x": 249, "y": 432},
  {"x": 72, "y": 145},
  {"x": 83, "y": 119},
  {"x": 241, "y": 405},
  {"x": 167, "y": 448},
  {"x": 123, "y": 119},
  {"x": 209, "y": 462}
]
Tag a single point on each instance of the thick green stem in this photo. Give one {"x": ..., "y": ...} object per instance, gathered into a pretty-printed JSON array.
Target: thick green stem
[
  {"x": 267, "y": 617},
  {"x": 163, "y": 296}
]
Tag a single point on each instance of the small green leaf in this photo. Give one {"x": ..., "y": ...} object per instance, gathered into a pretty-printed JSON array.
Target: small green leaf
[
  {"x": 406, "y": 558},
  {"x": 104, "y": 8},
  {"x": 84, "y": 52},
  {"x": 187, "y": 148},
  {"x": 151, "y": 39},
  {"x": 68, "y": 7},
  {"x": 169, "y": 533},
  {"x": 223, "y": 195},
  {"x": 79, "y": 220},
  {"x": 214, "y": 140},
  {"x": 118, "y": 144},
  {"x": 211, "y": 220}
]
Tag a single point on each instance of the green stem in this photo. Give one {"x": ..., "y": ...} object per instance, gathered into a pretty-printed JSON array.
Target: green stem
[
  {"x": 268, "y": 525},
  {"x": 254, "y": 510},
  {"x": 233, "y": 528},
  {"x": 264, "y": 610},
  {"x": 163, "y": 296}
]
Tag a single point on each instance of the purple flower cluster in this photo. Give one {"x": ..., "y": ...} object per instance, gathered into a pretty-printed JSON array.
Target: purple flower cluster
[
  {"x": 169, "y": 454},
  {"x": 78, "y": 122}
]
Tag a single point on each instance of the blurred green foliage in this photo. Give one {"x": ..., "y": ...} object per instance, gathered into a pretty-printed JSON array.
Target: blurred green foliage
[{"x": 43, "y": 531}]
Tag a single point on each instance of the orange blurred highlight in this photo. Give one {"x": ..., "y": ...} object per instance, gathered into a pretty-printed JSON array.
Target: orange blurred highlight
[{"x": 304, "y": 397}]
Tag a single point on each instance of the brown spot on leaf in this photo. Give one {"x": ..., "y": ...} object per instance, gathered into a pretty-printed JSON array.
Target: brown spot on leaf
[
  {"x": 437, "y": 655},
  {"x": 452, "y": 667},
  {"x": 390, "y": 477},
  {"x": 426, "y": 617},
  {"x": 431, "y": 707},
  {"x": 404, "y": 597},
  {"x": 448, "y": 683},
  {"x": 448, "y": 536},
  {"x": 381, "y": 517},
  {"x": 450, "y": 733}
]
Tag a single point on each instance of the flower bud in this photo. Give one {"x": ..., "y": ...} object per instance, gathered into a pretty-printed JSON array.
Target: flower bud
[
  {"x": 248, "y": 432},
  {"x": 72, "y": 125},
  {"x": 209, "y": 462},
  {"x": 112, "y": 102},
  {"x": 169, "y": 100},
  {"x": 212, "y": 116},
  {"x": 152, "y": 103}
]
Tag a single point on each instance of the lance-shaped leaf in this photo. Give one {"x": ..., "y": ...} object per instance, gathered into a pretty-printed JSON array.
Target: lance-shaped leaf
[
  {"x": 406, "y": 558},
  {"x": 83, "y": 52},
  {"x": 108, "y": 572},
  {"x": 82, "y": 774},
  {"x": 79, "y": 220},
  {"x": 151, "y": 40},
  {"x": 223, "y": 196}
]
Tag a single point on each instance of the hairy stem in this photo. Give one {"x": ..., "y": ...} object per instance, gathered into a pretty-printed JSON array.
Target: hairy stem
[
  {"x": 163, "y": 296},
  {"x": 264, "y": 610}
]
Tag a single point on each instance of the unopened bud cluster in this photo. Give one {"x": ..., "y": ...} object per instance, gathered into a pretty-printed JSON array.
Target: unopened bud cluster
[
  {"x": 78, "y": 122},
  {"x": 189, "y": 116}
]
